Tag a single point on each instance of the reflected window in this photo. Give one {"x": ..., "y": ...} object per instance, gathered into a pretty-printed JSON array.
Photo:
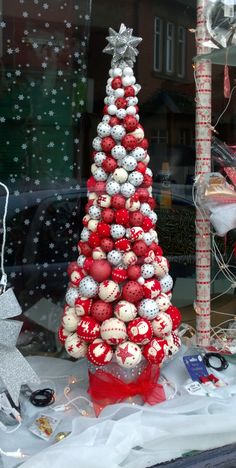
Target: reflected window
[
  {"x": 181, "y": 51},
  {"x": 170, "y": 47},
  {"x": 158, "y": 44}
]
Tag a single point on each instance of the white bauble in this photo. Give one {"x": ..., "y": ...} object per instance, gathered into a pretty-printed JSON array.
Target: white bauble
[
  {"x": 117, "y": 71},
  {"x": 139, "y": 153},
  {"x": 80, "y": 260},
  {"x": 71, "y": 295},
  {"x": 109, "y": 90},
  {"x": 113, "y": 331},
  {"x": 127, "y": 189},
  {"x": 75, "y": 347},
  {"x": 121, "y": 113},
  {"x": 118, "y": 132},
  {"x": 97, "y": 143},
  {"x": 120, "y": 175},
  {"x": 131, "y": 110},
  {"x": 85, "y": 233},
  {"x": 148, "y": 238},
  {"x": 94, "y": 212},
  {"x": 114, "y": 257},
  {"x": 99, "y": 158},
  {"x": 70, "y": 321},
  {"x": 125, "y": 311},
  {"x": 88, "y": 287},
  {"x": 112, "y": 187},
  {"x": 110, "y": 100},
  {"x": 112, "y": 109},
  {"x": 128, "y": 354},
  {"x": 104, "y": 200},
  {"x": 135, "y": 178},
  {"x": 118, "y": 152},
  {"x": 162, "y": 325},
  {"x": 127, "y": 80},
  {"x": 148, "y": 309},
  {"x": 92, "y": 224},
  {"x": 132, "y": 101},
  {"x": 127, "y": 71},
  {"x": 117, "y": 231},
  {"x": 129, "y": 163},
  {"x": 132, "y": 205},
  {"x": 145, "y": 209},
  {"x": 153, "y": 216},
  {"x": 163, "y": 302},
  {"x": 98, "y": 253},
  {"x": 99, "y": 174},
  {"x": 119, "y": 92},
  {"x": 166, "y": 283},
  {"x": 147, "y": 270}
]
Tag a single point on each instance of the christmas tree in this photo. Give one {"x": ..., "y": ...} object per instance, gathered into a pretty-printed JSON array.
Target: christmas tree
[{"x": 118, "y": 302}]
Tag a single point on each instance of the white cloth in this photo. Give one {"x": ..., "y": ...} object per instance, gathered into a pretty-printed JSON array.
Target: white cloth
[
  {"x": 223, "y": 218},
  {"x": 127, "y": 436}
]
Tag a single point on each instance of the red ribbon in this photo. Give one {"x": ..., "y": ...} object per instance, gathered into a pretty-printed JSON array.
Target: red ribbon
[{"x": 106, "y": 389}]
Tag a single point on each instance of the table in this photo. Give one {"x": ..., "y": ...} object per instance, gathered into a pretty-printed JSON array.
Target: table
[{"x": 124, "y": 435}]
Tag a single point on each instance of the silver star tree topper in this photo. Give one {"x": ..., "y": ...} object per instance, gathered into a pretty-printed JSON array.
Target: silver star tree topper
[{"x": 122, "y": 45}]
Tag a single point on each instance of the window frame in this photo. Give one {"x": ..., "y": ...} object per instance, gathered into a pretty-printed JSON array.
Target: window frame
[
  {"x": 181, "y": 43},
  {"x": 170, "y": 54},
  {"x": 160, "y": 34}
]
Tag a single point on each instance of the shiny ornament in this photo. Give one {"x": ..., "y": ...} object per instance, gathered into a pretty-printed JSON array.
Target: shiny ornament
[
  {"x": 112, "y": 187},
  {"x": 114, "y": 257},
  {"x": 129, "y": 258},
  {"x": 108, "y": 291},
  {"x": 71, "y": 296},
  {"x": 113, "y": 331},
  {"x": 132, "y": 292},
  {"x": 125, "y": 311},
  {"x": 100, "y": 270},
  {"x": 75, "y": 347},
  {"x": 101, "y": 310},
  {"x": 156, "y": 351},
  {"x": 163, "y": 302},
  {"x": 119, "y": 275},
  {"x": 120, "y": 175},
  {"x": 162, "y": 325},
  {"x": 134, "y": 272},
  {"x": 117, "y": 231},
  {"x": 151, "y": 288},
  {"x": 99, "y": 353},
  {"x": 122, "y": 45},
  {"x": 166, "y": 283},
  {"x": 128, "y": 354},
  {"x": 88, "y": 329},
  {"x": 83, "y": 306},
  {"x": 140, "y": 331},
  {"x": 88, "y": 287}
]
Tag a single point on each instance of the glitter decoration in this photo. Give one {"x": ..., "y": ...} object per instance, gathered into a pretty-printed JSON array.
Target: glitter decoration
[
  {"x": 14, "y": 369},
  {"x": 122, "y": 45}
]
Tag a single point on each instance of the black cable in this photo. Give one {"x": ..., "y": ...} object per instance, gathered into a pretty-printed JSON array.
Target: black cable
[
  {"x": 223, "y": 362},
  {"x": 43, "y": 397}
]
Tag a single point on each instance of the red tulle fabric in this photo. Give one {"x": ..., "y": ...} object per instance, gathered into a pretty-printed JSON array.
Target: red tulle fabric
[{"x": 106, "y": 389}]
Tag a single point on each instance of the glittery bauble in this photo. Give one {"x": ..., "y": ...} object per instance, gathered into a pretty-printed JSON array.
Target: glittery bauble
[
  {"x": 162, "y": 325},
  {"x": 114, "y": 257},
  {"x": 71, "y": 296},
  {"x": 133, "y": 272},
  {"x": 83, "y": 306},
  {"x": 108, "y": 291},
  {"x": 147, "y": 271},
  {"x": 70, "y": 321},
  {"x": 117, "y": 231},
  {"x": 175, "y": 316},
  {"x": 156, "y": 351},
  {"x": 166, "y": 283},
  {"x": 132, "y": 292},
  {"x": 100, "y": 270},
  {"x": 125, "y": 311},
  {"x": 88, "y": 287},
  {"x": 174, "y": 343},
  {"x": 101, "y": 310},
  {"x": 119, "y": 275},
  {"x": 113, "y": 331},
  {"x": 63, "y": 334},
  {"x": 148, "y": 309},
  {"x": 128, "y": 354},
  {"x": 161, "y": 266},
  {"x": 140, "y": 331},
  {"x": 99, "y": 353},
  {"x": 88, "y": 329},
  {"x": 75, "y": 347},
  {"x": 129, "y": 258},
  {"x": 151, "y": 288}
]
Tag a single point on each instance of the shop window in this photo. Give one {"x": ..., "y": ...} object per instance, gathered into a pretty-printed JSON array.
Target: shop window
[{"x": 159, "y": 136}]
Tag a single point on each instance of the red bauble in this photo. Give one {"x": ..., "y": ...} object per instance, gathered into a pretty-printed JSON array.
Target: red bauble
[
  {"x": 88, "y": 329},
  {"x": 108, "y": 215},
  {"x": 136, "y": 218},
  {"x": 109, "y": 164},
  {"x": 144, "y": 144},
  {"x": 76, "y": 276},
  {"x": 151, "y": 288},
  {"x": 113, "y": 121},
  {"x": 134, "y": 272},
  {"x": 85, "y": 220},
  {"x": 118, "y": 201},
  {"x": 99, "y": 353},
  {"x": 116, "y": 82},
  {"x": 122, "y": 217},
  {"x": 100, "y": 270},
  {"x": 121, "y": 103},
  {"x": 63, "y": 334},
  {"x": 140, "y": 248},
  {"x": 107, "y": 143},
  {"x": 132, "y": 292},
  {"x": 156, "y": 248},
  {"x": 105, "y": 110},
  {"x": 103, "y": 229},
  {"x": 147, "y": 181},
  {"x": 91, "y": 182},
  {"x": 147, "y": 224},
  {"x": 156, "y": 351},
  {"x": 152, "y": 202},
  {"x": 72, "y": 267},
  {"x": 84, "y": 249},
  {"x": 88, "y": 205},
  {"x": 119, "y": 275},
  {"x": 83, "y": 305},
  {"x": 100, "y": 187},
  {"x": 94, "y": 240},
  {"x": 143, "y": 194},
  {"x": 129, "y": 91},
  {"x": 123, "y": 245},
  {"x": 130, "y": 123},
  {"x": 101, "y": 310},
  {"x": 141, "y": 167},
  {"x": 175, "y": 316},
  {"x": 129, "y": 142},
  {"x": 87, "y": 264},
  {"x": 140, "y": 331},
  {"x": 107, "y": 244}
]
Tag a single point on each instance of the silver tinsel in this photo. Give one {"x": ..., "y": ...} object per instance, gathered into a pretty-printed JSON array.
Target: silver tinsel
[
  {"x": 122, "y": 45},
  {"x": 14, "y": 369}
]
